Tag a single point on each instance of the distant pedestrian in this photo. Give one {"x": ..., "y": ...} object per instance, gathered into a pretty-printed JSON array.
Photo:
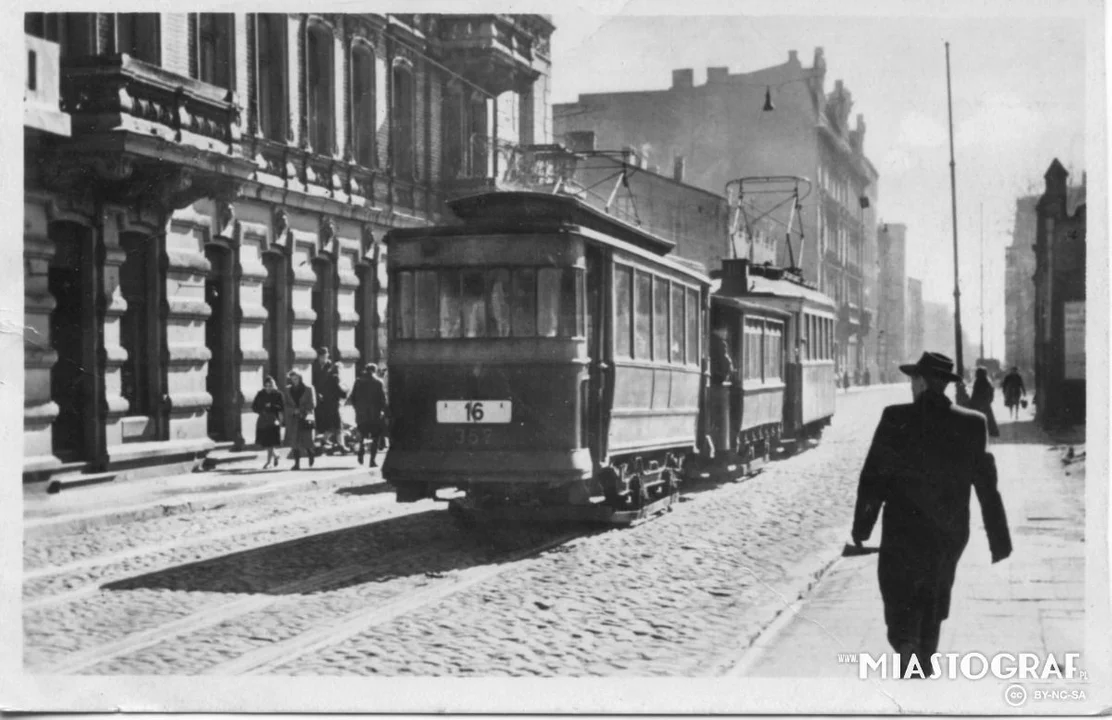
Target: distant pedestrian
[
  {"x": 301, "y": 401},
  {"x": 1013, "y": 390},
  {"x": 269, "y": 405},
  {"x": 845, "y": 380},
  {"x": 866, "y": 378},
  {"x": 320, "y": 368},
  {"x": 330, "y": 394},
  {"x": 924, "y": 459},
  {"x": 368, "y": 397},
  {"x": 981, "y": 400}
]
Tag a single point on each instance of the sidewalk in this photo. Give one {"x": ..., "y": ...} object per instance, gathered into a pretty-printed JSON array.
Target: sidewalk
[
  {"x": 1031, "y": 602},
  {"x": 244, "y": 481}
]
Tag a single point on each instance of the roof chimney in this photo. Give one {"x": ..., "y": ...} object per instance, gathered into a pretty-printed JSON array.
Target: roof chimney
[
  {"x": 793, "y": 57},
  {"x": 683, "y": 79},
  {"x": 679, "y": 164},
  {"x": 580, "y": 140},
  {"x": 717, "y": 74}
]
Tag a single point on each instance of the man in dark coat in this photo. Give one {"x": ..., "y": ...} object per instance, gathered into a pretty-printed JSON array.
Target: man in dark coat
[
  {"x": 721, "y": 364},
  {"x": 368, "y": 397},
  {"x": 924, "y": 459}
]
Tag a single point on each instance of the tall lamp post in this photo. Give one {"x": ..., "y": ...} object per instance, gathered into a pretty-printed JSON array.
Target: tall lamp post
[{"x": 960, "y": 366}]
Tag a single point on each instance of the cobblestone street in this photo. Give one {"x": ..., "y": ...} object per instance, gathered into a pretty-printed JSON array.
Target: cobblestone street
[{"x": 346, "y": 582}]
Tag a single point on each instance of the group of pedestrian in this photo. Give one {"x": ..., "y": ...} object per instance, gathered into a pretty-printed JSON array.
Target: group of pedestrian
[
  {"x": 984, "y": 393},
  {"x": 309, "y": 412}
]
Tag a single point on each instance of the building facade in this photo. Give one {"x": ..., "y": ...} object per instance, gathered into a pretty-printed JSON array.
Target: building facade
[
  {"x": 219, "y": 208},
  {"x": 892, "y": 285},
  {"x": 720, "y": 131},
  {"x": 1059, "y": 304},
  {"x": 914, "y": 336}
]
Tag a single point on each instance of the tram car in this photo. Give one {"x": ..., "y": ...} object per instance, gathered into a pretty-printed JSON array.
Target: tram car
[
  {"x": 543, "y": 354},
  {"x": 780, "y": 390}
]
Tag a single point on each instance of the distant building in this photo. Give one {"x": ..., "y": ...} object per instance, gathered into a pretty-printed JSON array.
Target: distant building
[
  {"x": 891, "y": 320},
  {"x": 913, "y": 324},
  {"x": 1059, "y": 304},
  {"x": 720, "y": 132},
  {"x": 1019, "y": 283},
  {"x": 938, "y": 333}
]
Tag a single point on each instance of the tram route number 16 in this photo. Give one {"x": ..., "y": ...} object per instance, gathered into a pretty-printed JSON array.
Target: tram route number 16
[{"x": 474, "y": 411}]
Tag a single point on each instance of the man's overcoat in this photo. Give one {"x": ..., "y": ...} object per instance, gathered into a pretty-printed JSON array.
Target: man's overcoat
[{"x": 924, "y": 459}]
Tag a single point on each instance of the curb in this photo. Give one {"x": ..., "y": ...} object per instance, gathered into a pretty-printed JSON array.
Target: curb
[{"x": 39, "y": 528}]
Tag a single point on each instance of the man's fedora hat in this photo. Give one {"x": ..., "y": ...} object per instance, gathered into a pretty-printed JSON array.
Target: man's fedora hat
[{"x": 932, "y": 364}]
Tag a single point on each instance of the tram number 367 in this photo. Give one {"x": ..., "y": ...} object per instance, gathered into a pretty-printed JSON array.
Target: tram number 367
[{"x": 472, "y": 436}]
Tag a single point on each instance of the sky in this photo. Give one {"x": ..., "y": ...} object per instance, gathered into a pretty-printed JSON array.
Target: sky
[{"x": 1019, "y": 100}]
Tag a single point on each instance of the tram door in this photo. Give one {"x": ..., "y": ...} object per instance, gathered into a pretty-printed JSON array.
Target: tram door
[{"x": 591, "y": 397}]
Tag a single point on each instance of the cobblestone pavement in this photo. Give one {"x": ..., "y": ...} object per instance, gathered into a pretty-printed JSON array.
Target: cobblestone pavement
[{"x": 332, "y": 583}]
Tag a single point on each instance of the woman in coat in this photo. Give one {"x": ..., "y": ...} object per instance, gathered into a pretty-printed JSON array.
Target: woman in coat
[
  {"x": 269, "y": 405},
  {"x": 330, "y": 394},
  {"x": 301, "y": 401},
  {"x": 981, "y": 400}
]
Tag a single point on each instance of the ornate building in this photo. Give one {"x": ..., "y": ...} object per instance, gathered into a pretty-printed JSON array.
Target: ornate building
[
  {"x": 780, "y": 120},
  {"x": 217, "y": 211}
]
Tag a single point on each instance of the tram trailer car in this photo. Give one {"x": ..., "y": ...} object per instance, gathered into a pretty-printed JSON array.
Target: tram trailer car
[
  {"x": 802, "y": 320},
  {"x": 542, "y": 353}
]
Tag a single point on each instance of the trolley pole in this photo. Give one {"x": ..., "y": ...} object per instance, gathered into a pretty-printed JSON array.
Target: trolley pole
[
  {"x": 960, "y": 366},
  {"x": 982, "y": 280}
]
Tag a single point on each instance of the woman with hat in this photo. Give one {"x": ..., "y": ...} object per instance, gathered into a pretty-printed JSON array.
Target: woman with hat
[
  {"x": 925, "y": 459},
  {"x": 301, "y": 400}
]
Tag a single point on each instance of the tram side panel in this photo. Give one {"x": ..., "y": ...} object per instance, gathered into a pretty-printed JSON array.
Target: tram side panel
[{"x": 656, "y": 359}]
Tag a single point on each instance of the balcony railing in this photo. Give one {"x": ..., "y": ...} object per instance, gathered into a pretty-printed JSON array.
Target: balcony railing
[
  {"x": 488, "y": 50},
  {"x": 118, "y": 92}
]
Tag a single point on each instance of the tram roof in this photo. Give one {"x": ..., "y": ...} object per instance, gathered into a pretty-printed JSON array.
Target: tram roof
[
  {"x": 520, "y": 209},
  {"x": 770, "y": 287}
]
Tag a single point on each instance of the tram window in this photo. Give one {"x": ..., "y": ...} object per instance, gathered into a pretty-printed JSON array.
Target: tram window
[
  {"x": 450, "y": 326},
  {"x": 498, "y": 303},
  {"x": 404, "y": 303},
  {"x": 571, "y": 290},
  {"x": 677, "y": 325},
  {"x": 623, "y": 311},
  {"x": 692, "y": 327},
  {"x": 548, "y": 302},
  {"x": 473, "y": 304},
  {"x": 427, "y": 322},
  {"x": 642, "y": 317},
  {"x": 525, "y": 302},
  {"x": 774, "y": 334},
  {"x": 660, "y": 320}
]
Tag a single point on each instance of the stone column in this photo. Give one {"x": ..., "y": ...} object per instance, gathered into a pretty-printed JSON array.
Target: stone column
[
  {"x": 366, "y": 300},
  {"x": 303, "y": 246},
  {"x": 253, "y": 357},
  {"x": 39, "y": 410},
  {"x": 111, "y": 308},
  {"x": 347, "y": 314},
  {"x": 186, "y": 312}
]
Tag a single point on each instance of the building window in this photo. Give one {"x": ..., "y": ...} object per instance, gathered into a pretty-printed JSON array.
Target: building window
[
  {"x": 320, "y": 73},
  {"x": 137, "y": 34},
  {"x": 215, "y": 57},
  {"x": 75, "y": 33},
  {"x": 272, "y": 72},
  {"x": 402, "y": 123},
  {"x": 363, "y": 104},
  {"x": 454, "y": 136}
]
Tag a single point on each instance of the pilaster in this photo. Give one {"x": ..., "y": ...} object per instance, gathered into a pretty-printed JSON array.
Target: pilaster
[
  {"x": 253, "y": 358},
  {"x": 39, "y": 410}
]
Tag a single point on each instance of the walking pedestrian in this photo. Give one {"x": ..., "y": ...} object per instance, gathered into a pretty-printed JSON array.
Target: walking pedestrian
[
  {"x": 866, "y": 378},
  {"x": 330, "y": 394},
  {"x": 845, "y": 380},
  {"x": 981, "y": 400},
  {"x": 301, "y": 401},
  {"x": 319, "y": 372},
  {"x": 368, "y": 397},
  {"x": 924, "y": 459},
  {"x": 269, "y": 405},
  {"x": 1013, "y": 389}
]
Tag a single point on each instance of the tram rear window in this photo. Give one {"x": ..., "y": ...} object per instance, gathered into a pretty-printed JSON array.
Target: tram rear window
[{"x": 489, "y": 303}]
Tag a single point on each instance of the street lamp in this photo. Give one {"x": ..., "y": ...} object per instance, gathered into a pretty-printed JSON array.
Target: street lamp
[{"x": 962, "y": 396}]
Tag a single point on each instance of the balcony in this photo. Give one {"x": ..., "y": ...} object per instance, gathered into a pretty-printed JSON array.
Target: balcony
[
  {"x": 119, "y": 95},
  {"x": 40, "y": 89},
  {"x": 489, "y": 50}
]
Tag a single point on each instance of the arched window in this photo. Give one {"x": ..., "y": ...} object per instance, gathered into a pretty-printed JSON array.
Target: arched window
[
  {"x": 272, "y": 70},
  {"x": 363, "y": 104},
  {"x": 402, "y": 123},
  {"x": 137, "y": 34},
  {"x": 215, "y": 49},
  {"x": 322, "y": 106}
]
